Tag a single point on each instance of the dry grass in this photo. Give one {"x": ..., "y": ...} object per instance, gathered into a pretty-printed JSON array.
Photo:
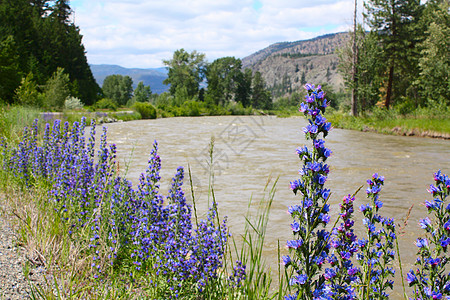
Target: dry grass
[{"x": 45, "y": 243}]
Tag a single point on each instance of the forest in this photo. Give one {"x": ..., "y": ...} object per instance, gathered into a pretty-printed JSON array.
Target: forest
[
  {"x": 42, "y": 57},
  {"x": 403, "y": 60}
]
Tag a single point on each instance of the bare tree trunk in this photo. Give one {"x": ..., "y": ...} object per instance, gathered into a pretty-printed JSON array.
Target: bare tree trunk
[
  {"x": 387, "y": 103},
  {"x": 392, "y": 60},
  {"x": 355, "y": 61}
]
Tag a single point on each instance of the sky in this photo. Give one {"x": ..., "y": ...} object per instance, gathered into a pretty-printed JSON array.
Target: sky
[{"x": 140, "y": 34}]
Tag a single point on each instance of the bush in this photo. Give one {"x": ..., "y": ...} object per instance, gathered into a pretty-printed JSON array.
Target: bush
[
  {"x": 73, "y": 103},
  {"x": 57, "y": 89},
  {"x": 146, "y": 110},
  {"x": 27, "y": 93},
  {"x": 190, "y": 108},
  {"x": 106, "y": 103},
  {"x": 239, "y": 109}
]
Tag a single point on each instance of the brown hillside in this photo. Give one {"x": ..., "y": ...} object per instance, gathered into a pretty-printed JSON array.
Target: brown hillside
[{"x": 287, "y": 66}]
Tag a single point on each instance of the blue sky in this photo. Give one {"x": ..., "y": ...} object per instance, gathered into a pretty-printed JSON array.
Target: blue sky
[{"x": 140, "y": 34}]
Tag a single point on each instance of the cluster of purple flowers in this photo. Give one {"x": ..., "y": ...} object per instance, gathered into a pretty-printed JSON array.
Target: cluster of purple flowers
[
  {"x": 342, "y": 276},
  {"x": 121, "y": 228},
  {"x": 376, "y": 253},
  {"x": 309, "y": 250},
  {"x": 238, "y": 275},
  {"x": 431, "y": 278}
]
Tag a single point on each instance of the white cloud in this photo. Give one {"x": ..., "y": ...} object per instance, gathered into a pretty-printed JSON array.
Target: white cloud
[{"x": 143, "y": 33}]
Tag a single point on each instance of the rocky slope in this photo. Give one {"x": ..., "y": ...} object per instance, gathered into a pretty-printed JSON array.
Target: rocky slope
[{"x": 287, "y": 66}]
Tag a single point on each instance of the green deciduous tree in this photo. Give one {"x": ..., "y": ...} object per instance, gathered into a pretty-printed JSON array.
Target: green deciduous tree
[
  {"x": 370, "y": 69},
  {"x": 434, "y": 63},
  {"x": 118, "y": 88},
  {"x": 224, "y": 77},
  {"x": 186, "y": 70},
  {"x": 244, "y": 89},
  {"x": 141, "y": 93},
  {"x": 261, "y": 98}
]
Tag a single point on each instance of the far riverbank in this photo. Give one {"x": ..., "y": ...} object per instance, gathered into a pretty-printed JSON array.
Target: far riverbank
[{"x": 419, "y": 125}]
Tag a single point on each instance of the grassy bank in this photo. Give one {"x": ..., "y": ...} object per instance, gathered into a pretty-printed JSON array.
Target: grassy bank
[{"x": 420, "y": 123}]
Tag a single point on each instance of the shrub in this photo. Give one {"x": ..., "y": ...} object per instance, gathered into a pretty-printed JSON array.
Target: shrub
[
  {"x": 106, "y": 103},
  {"x": 57, "y": 89},
  {"x": 27, "y": 93},
  {"x": 73, "y": 103},
  {"x": 191, "y": 108},
  {"x": 145, "y": 109}
]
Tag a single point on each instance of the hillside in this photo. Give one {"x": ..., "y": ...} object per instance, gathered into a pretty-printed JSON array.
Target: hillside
[
  {"x": 286, "y": 66},
  {"x": 151, "y": 77}
]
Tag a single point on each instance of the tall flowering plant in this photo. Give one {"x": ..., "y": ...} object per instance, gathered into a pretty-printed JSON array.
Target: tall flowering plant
[
  {"x": 431, "y": 278},
  {"x": 376, "y": 253},
  {"x": 309, "y": 248},
  {"x": 342, "y": 275}
]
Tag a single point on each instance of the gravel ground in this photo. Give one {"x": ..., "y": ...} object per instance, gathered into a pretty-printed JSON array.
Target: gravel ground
[{"x": 13, "y": 284}]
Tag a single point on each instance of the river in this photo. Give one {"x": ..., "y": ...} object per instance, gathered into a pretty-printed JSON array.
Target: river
[{"x": 250, "y": 150}]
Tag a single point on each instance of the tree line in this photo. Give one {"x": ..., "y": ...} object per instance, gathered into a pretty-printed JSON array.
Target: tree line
[
  {"x": 403, "y": 60},
  {"x": 189, "y": 74},
  {"x": 192, "y": 79}
]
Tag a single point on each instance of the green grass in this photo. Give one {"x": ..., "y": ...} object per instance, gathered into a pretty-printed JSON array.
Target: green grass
[
  {"x": 14, "y": 118},
  {"x": 397, "y": 124}
]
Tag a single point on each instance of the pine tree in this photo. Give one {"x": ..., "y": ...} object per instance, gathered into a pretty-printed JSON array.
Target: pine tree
[{"x": 392, "y": 20}]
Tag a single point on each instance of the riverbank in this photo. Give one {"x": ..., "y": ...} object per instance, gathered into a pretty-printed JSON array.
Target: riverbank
[
  {"x": 422, "y": 123},
  {"x": 423, "y": 126}
]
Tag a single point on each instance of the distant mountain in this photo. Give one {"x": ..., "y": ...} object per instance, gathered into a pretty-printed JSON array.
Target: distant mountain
[
  {"x": 286, "y": 66},
  {"x": 152, "y": 77}
]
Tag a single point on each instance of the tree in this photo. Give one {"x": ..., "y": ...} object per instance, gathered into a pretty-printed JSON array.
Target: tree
[
  {"x": 40, "y": 6},
  {"x": 118, "y": 88},
  {"x": 141, "y": 93},
  {"x": 370, "y": 69},
  {"x": 57, "y": 90},
  {"x": 9, "y": 68},
  {"x": 67, "y": 50},
  {"x": 61, "y": 11},
  {"x": 434, "y": 79},
  {"x": 224, "y": 77},
  {"x": 261, "y": 98},
  {"x": 27, "y": 93},
  {"x": 354, "y": 65},
  {"x": 45, "y": 38},
  {"x": 392, "y": 21},
  {"x": 244, "y": 89},
  {"x": 186, "y": 70}
]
